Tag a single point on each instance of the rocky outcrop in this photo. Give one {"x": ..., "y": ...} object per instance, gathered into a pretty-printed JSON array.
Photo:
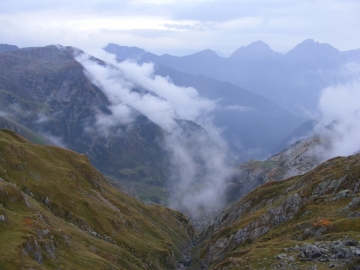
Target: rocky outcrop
[
  {"x": 303, "y": 216},
  {"x": 337, "y": 254},
  {"x": 298, "y": 158}
]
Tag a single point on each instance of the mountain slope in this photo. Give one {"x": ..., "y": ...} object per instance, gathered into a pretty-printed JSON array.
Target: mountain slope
[
  {"x": 57, "y": 211},
  {"x": 45, "y": 89},
  {"x": 309, "y": 221},
  {"x": 298, "y": 158}
]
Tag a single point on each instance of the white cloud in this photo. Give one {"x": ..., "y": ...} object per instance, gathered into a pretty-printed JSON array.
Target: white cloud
[
  {"x": 340, "y": 106},
  {"x": 162, "y": 102},
  {"x": 198, "y": 154}
]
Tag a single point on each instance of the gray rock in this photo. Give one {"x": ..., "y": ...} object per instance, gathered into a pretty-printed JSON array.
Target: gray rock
[
  {"x": 281, "y": 256},
  {"x": 50, "y": 249},
  {"x": 350, "y": 242},
  {"x": 47, "y": 201},
  {"x": 353, "y": 214},
  {"x": 312, "y": 251},
  {"x": 347, "y": 193},
  {"x": 2, "y": 218}
]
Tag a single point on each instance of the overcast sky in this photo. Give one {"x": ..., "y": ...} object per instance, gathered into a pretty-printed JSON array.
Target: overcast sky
[{"x": 180, "y": 27}]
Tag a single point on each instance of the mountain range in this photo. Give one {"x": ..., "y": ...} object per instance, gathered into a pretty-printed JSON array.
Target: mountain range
[
  {"x": 293, "y": 210},
  {"x": 292, "y": 80},
  {"x": 47, "y": 96}
]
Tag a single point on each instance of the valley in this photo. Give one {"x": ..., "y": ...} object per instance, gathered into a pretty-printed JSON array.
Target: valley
[{"x": 123, "y": 164}]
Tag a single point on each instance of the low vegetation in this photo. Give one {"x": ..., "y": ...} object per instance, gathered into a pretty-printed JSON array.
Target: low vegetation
[
  {"x": 310, "y": 221},
  {"x": 58, "y": 212}
]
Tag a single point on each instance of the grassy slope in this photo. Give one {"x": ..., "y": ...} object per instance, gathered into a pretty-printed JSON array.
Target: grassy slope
[
  {"x": 323, "y": 215},
  {"x": 59, "y": 212}
]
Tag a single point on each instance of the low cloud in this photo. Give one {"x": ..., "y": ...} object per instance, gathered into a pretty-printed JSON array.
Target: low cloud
[
  {"x": 340, "y": 112},
  {"x": 199, "y": 157},
  {"x": 53, "y": 140}
]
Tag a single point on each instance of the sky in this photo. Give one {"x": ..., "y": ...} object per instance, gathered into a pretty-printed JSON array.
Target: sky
[{"x": 180, "y": 27}]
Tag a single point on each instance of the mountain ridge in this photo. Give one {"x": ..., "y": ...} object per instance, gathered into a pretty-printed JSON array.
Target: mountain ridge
[
  {"x": 304, "y": 222},
  {"x": 285, "y": 79}
]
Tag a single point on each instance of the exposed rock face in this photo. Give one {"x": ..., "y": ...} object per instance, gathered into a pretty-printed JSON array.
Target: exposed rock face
[
  {"x": 312, "y": 217},
  {"x": 298, "y": 158}
]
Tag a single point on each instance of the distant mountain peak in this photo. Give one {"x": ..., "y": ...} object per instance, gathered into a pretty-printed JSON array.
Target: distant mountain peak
[
  {"x": 259, "y": 46},
  {"x": 124, "y": 52},
  {"x": 207, "y": 52},
  {"x": 310, "y": 44},
  {"x": 257, "y": 49}
]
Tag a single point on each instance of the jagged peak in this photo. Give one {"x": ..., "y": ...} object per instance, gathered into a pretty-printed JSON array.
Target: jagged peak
[{"x": 310, "y": 45}]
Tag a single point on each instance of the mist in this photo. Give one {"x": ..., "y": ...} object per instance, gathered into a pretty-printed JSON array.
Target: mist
[
  {"x": 199, "y": 158},
  {"x": 340, "y": 111}
]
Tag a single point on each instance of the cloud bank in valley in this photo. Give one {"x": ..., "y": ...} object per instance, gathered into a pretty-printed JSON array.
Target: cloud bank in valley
[
  {"x": 199, "y": 157},
  {"x": 340, "y": 109}
]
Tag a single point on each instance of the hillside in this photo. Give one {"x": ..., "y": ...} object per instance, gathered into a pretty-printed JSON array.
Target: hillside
[
  {"x": 58, "y": 212},
  {"x": 45, "y": 90},
  {"x": 309, "y": 221}
]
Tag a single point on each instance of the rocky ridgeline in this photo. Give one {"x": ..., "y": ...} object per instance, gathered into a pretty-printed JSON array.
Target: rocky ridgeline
[
  {"x": 298, "y": 158},
  {"x": 306, "y": 214}
]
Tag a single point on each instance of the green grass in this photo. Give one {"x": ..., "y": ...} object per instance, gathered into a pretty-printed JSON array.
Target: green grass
[{"x": 74, "y": 200}]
